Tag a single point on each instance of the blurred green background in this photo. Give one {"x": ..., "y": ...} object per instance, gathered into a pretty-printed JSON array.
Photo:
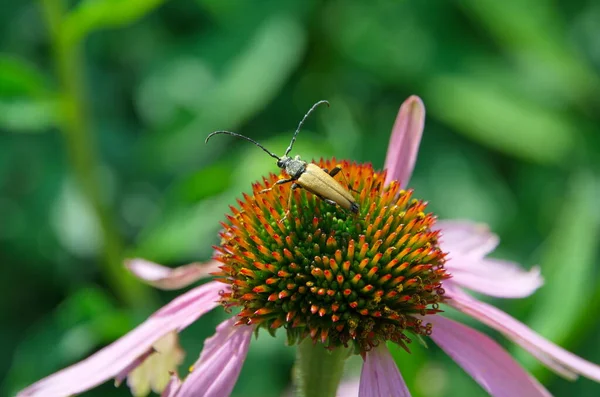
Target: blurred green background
[{"x": 105, "y": 104}]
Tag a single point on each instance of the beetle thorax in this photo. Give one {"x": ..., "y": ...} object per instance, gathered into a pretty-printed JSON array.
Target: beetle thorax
[{"x": 293, "y": 166}]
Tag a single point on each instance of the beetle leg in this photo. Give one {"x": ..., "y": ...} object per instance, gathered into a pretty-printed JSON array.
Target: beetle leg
[
  {"x": 335, "y": 171},
  {"x": 330, "y": 202},
  {"x": 279, "y": 182},
  {"x": 282, "y": 181},
  {"x": 294, "y": 186},
  {"x": 287, "y": 212},
  {"x": 284, "y": 216}
]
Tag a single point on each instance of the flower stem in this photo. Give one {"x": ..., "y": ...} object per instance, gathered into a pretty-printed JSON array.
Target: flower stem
[
  {"x": 83, "y": 157},
  {"x": 318, "y": 371}
]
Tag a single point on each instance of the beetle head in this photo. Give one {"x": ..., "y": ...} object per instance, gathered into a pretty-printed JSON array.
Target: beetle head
[{"x": 283, "y": 161}]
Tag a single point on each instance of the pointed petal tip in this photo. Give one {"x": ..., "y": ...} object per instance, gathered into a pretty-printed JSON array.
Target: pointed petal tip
[
  {"x": 465, "y": 241},
  {"x": 498, "y": 278},
  {"x": 415, "y": 102},
  {"x": 413, "y": 108},
  {"x": 405, "y": 140},
  {"x": 145, "y": 270},
  {"x": 167, "y": 278}
]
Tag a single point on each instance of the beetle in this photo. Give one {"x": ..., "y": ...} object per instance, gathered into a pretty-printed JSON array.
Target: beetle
[{"x": 309, "y": 176}]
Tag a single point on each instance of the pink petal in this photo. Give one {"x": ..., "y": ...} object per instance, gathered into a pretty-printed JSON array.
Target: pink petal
[
  {"x": 555, "y": 357},
  {"x": 405, "y": 140},
  {"x": 380, "y": 375},
  {"x": 172, "y": 387},
  {"x": 110, "y": 361},
  {"x": 484, "y": 359},
  {"x": 132, "y": 366},
  {"x": 498, "y": 278},
  {"x": 170, "y": 278},
  {"x": 220, "y": 363},
  {"x": 467, "y": 243},
  {"x": 465, "y": 240}
]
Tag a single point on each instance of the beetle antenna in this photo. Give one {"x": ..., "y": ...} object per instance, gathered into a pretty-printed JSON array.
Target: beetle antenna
[
  {"x": 289, "y": 149},
  {"x": 243, "y": 137}
]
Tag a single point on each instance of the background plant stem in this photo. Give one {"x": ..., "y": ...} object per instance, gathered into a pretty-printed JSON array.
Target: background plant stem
[
  {"x": 318, "y": 371},
  {"x": 83, "y": 157}
]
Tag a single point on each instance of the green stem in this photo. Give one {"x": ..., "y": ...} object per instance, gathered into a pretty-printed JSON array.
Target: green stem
[
  {"x": 83, "y": 157},
  {"x": 318, "y": 371}
]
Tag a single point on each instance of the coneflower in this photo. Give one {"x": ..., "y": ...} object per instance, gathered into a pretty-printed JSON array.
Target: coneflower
[{"x": 336, "y": 283}]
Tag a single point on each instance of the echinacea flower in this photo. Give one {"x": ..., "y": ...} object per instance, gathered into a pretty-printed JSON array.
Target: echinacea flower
[{"x": 335, "y": 282}]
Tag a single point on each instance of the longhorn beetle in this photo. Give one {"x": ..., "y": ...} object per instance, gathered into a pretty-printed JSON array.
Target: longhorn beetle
[{"x": 308, "y": 176}]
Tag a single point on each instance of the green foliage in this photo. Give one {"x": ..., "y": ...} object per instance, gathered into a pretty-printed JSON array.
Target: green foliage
[
  {"x": 568, "y": 258},
  {"x": 19, "y": 77},
  {"x": 127, "y": 91},
  {"x": 26, "y": 102},
  {"x": 242, "y": 86},
  {"x": 494, "y": 116},
  {"x": 91, "y": 15}
]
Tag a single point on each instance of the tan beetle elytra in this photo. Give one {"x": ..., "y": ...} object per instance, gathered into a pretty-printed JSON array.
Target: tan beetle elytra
[{"x": 308, "y": 176}]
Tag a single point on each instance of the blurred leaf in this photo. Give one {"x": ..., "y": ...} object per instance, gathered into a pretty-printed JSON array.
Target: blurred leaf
[
  {"x": 568, "y": 260},
  {"x": 388, "y": 39},
  {"x": 75, "y": 223},
  {"x": 91, "y": 15},
  {"x": 28, "y": 114},
  {"x": 179, "y": 83},
  {"x": 19, "y": 77},
  {"x": 341, "y": 127},
  {"x": 534, "y": 32},
  {"x": 462, "y": 184},
  {"x": 248, "y": 83},
  {"x": 237, "y": 16},
  {"x": 495, "y": 117},
  {"x": 86, "y": 319},
  {"x": 206, "y": 182},
  {"x": 25, "y": 103},
  {"x": 183, "y": 232}
]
